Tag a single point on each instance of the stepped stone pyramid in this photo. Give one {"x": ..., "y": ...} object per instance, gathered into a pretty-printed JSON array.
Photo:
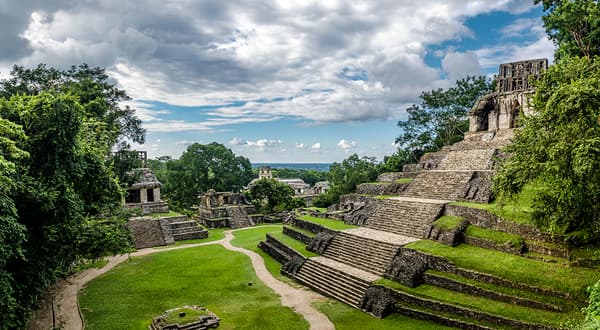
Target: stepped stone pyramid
[{"x": 351, "y": 260}]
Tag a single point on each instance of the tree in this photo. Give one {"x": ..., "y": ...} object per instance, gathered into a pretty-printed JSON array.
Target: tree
[
  {"x": 441, "y": 118},
  {"x": 202, "y": 167},
  {"x": 397, "y": 160},
  {"x": 345, "y": 176},
  {"x": 573, "y": 25},
  {"x": 269, "y": 195},
  {"x": 558, "y": 149}
]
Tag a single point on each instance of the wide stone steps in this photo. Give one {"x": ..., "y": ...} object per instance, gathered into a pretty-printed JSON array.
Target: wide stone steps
[
  {"x": 333, "y": 282},
  {"x": 403, "y": 217},
  {"x": 363, "y": 253},
  {"x": 481, "y": 159},
  {"x": 184, "y": 230},
  {"x": 446, "y": 185}
]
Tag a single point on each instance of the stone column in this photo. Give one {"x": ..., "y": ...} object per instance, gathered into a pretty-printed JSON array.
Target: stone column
[{"x": 143, "y": 196}]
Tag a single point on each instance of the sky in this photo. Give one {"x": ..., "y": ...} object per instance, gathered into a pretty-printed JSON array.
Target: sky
[{"x": 275, "y": 81}]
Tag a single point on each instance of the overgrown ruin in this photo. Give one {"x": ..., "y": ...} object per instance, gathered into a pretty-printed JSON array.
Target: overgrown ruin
[
  {"x": 353, "y": 261},
  {"x": 226, "y": 209}
]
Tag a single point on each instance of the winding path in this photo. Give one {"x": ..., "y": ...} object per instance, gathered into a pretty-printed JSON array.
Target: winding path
[{"x": 299, "y": 300}]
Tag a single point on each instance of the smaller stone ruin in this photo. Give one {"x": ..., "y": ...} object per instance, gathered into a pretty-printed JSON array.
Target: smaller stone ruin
[
  {"x": 145, "y": 193},
  {"x": 226, "y": 209},
  {"x": 186, "y": 317}
]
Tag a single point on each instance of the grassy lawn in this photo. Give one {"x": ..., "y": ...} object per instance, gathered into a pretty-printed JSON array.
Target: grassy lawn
[
  {"x": 493, "y": 235},
  {"x": 129, "y": 296},
  {"x": 404, "y": 180},
  {"x": 573, "y": 280},
  {"x": 347, "y": 318},
  {"x": 517, "y": 209},
  {"x": 329, "y": 223},
  {"x": 249, "y": 239},
  {"x": 294, "y": 244},
  {"x": 318, "y": 209},
  {"x": 448, "y": 222},
  {"x": 512, "y": 311}
]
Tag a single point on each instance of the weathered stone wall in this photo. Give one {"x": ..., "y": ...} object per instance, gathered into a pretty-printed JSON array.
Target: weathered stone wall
[
  {"x": 310, "y": 226},
  {"x": 451, "y": 237},
  {"x": 302, "y": 237},
  {"x": 149, "y": 232},
  {"x": 320, "y": 242},
  {"x": 393, "y": 176},
  {"x": 484, "y": 219},
  {"x": 358, "y": 208},
  {"x": 381, "y": 188}
]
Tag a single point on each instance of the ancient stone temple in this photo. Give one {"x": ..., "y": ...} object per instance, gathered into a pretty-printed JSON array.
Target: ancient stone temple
[
  {"x": 226, "y": 209},
  {"x": 501, "y": 109},
  {"x": 145, "y": 193}
]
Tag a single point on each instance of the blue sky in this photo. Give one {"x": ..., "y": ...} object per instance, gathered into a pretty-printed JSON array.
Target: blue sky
[{"x": 275, "y": 81}]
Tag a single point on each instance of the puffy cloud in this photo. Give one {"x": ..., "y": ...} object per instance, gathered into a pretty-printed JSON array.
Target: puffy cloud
[
  {"x": 345, "y": 144},
  {"x": 316, "y": 146},
  {"x": 321, "y": 62},
  {"x": 237, "y": 141},
  {"x": 300, "y": 145},
  {"x": 459, "y": 65},
  {"x": 184, "y": 142}
]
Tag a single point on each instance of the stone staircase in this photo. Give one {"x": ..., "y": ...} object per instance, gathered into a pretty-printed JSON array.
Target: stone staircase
[
  {"x": 364, "y": 253},
  {"x": 238, "y": 217},
  {"x": 477, "y": 159},
  {"x": 342, "y": 282},
  {"x": 443, "y": 185},
  {"x": 409, "y": 218},
  {"x": 183, "y": 229}
]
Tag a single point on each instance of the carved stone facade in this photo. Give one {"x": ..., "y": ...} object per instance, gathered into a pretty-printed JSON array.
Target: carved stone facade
[
  {"x": 145, "y": 193},
  {"x": 501, "y": 109},
  {"x": 225, "y": 209}
]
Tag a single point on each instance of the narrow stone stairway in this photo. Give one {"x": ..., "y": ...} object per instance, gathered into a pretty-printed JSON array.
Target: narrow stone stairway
[
  {"x": 404, "y": 217},
  {"x": 435, "y": 184},
  {"x": 337, "y": 280}
]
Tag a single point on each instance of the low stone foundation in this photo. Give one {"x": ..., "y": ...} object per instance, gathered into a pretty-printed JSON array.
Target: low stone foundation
[
  {"x": 451, "y": 237},
  {"x": 381, "y": 188},
  {"x": 149, "y": 232}
]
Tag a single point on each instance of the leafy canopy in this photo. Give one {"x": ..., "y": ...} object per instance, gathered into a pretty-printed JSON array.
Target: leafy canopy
[
  {"x": 269, "y": 195},
  {"x": 573, "y": 25},
  {"x": 558, "y": 149},
  {"x": 441, "y": 118}
]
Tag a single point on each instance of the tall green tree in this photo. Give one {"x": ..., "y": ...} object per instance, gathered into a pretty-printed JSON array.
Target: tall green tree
[
  {"x": 441, "y": 118},
  {"x": 573, "y": 25},
  {"x": 558, "y": 149},
  {"x": 202, "y": 167},
  {"x": 270, "y": 195}
]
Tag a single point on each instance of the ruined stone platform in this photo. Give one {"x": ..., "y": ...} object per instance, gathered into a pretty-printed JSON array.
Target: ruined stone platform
[
  {"x": 347, "y": 269},
  {"x": 420, "y": 200},
  {"x": 382, "y": 236}
]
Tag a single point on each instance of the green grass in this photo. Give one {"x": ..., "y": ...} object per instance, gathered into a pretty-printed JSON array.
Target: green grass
[
  {"x": 131, "y": 294},
  {"x": 294, "y": 244},
  {"x": 345, "y": 317},
  {"x": 329, "y": 223},
  {"x": 318, "y": 209},
  {"x": 165, "y": 214},
  {"x": 494, "y": 235},
  {"x": 557, "y": 277},
  {"x": 191, "y": 315},
  {"x": 305, "y": 232},
  {"x": 404, "y": 180},
  {"x": 512, "y": 311},
  {"x": 565, "y": 304},
  {"x": 448, "y": 222},
  {"x": 249, "y": 239},
  {"x": 517, "y": 209},
  {"x": 87, "y": 264}
]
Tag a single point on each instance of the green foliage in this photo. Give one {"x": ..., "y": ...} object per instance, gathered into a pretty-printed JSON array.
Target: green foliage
[
  {"x": 394, "y": 162},
  {"x": 329, "y": 223},
  {"x": 499, "y": 237},
  {"x": 440, "y": 119},
  {"x": 592, "y": 317},
  {"x": 200, "y": 168},
  {"x": 345, "y": 176},
  {"x": 558, "y": 149},
  {"x": 448, "y": 222},
  {"x": 269, "y": 195},
  {"x": 57, "y": 129},
  {"x": 130, "y": 295},
  {"x": 573, "y": 25}
]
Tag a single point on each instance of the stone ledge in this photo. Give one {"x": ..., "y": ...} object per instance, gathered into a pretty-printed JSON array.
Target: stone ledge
[{"x": 297, "y": 235}]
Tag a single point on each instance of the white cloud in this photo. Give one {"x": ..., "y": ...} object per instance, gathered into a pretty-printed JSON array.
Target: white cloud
[
  {"x": 459, "y": 65},
  {"x": 237, "y": 141},
  {"x": 213, "y": 53},
  {"x": 316, "y": 146},
  {"x": 344, "y": 144},
  {"x": 184, "y": 143},
  {"x": 300, "y": 145}
]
